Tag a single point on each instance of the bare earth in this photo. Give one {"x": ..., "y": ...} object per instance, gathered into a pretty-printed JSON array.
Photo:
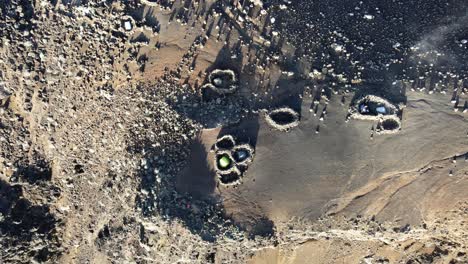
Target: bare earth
[{"x": 109, "y": 118}]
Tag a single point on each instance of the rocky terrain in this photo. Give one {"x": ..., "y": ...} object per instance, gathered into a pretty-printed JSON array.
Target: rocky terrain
[{"x": 349, "y": 122}]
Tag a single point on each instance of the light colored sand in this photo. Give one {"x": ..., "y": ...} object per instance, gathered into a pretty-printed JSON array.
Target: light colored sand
[{"x": 301, "y": 173}]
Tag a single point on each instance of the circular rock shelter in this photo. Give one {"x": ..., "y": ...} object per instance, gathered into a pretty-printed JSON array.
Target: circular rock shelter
[
  {"x": 283, "y": 118},
  {"x": 222, "y": 81},
  {"x": 231, "y": 159}
]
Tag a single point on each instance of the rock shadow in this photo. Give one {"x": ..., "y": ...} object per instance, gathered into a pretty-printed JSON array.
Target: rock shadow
[
  {"x": 198, "y": 178},
  {"x": 264, "y": 227},
  {"x": 19, "y": 218},
  {"x": 394, "y": 96},
  {"x": 36, "y": 172},
  {"x": 245, "y": 131}
]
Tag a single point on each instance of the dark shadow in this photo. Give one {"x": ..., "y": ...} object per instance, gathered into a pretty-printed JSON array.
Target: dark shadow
[
  {"x": 197, "y": 179},
  {"x": 246, "y": 131},
  {"x": 264, "y": 227},
  {"x": 225, "y": 61},
  {"x": 394, "y": 96},
  {"x": 285, "y": 93},
  {"x": 210, "y": 29},
  {"x": 185, "y": 192},
  {"x": 20, "y": 217},
  {"x": 389, "y": 124},
  {"x": 39, "y": 171},
  {"x": 140, "y": 38},
  {"x": 211, "y": 113},
  {"x": 152, "y": 21},
  {"x": 210, "y": 108},
  {"x": 386, "y": 36},
  {"x": 199, "y": 211},
  {"x": 189, "y": 195}
]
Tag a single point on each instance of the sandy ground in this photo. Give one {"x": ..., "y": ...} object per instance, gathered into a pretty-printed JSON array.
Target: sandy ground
[
  {"x": 106, "y": 136},
  {"x": 342, "y": 158}
]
